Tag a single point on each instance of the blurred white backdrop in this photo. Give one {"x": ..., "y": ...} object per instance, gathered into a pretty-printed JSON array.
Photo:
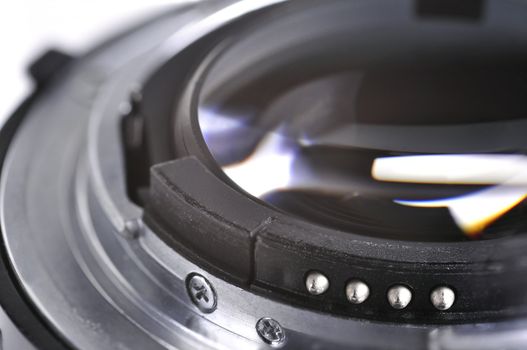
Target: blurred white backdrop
[{"x": 29, "y": 27}]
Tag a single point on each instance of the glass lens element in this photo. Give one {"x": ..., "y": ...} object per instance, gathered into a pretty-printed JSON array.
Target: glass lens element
[{"x": 391, "y": 143}]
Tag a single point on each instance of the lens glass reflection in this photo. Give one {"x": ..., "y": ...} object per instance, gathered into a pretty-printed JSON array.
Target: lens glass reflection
[{"x": 429, "y": 150}]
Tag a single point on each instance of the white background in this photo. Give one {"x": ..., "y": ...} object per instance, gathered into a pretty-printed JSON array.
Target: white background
[{"x": 28, "y": 27}]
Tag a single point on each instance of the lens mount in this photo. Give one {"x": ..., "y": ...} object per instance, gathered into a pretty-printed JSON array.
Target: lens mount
[{"x": 206, "y": 216}]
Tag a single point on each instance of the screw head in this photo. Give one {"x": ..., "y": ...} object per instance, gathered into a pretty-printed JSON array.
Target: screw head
[
  {"x": 442, "y": 298},
  {"x": 270, "y": 331},
  {"x": 201, "y": 293},
  {"x": 357, "y": 291},
  {"x": 316, "y": 283},
  {"x": 132, "y": 228},
  {"x": 399, "y": 296}
]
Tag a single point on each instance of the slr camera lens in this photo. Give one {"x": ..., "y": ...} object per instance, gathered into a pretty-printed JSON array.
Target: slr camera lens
[{"x": 301, "y": 174}]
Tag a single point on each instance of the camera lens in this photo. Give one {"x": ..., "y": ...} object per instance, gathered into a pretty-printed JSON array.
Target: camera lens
[{"x": 301, "y": 174}]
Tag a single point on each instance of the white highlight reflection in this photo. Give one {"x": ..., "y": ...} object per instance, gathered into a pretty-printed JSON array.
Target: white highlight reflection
[
  {"x": 474, "y": 211},
  {"x": 267, "y": 169},
  {"x": 475, "y": 169},
  {"x": 212, "y": 123}
]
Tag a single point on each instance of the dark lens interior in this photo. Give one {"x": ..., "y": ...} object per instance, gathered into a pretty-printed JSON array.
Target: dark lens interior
[{"x": 410, "y": 130}]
